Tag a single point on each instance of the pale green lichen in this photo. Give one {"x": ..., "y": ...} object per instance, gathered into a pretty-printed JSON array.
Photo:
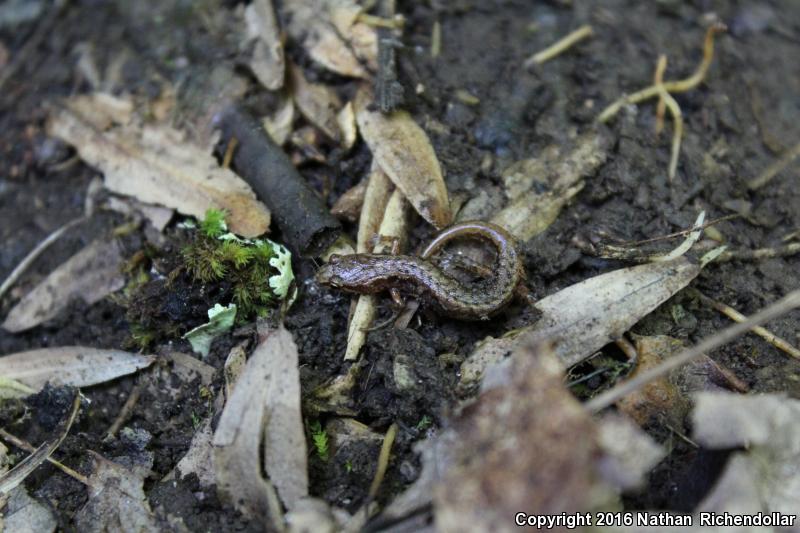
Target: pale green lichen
[
  {"x": 220, "y": 320},
  {"x": 282, "y": 262}
]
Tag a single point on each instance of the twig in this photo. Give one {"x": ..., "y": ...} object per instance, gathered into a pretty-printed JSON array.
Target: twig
[
  {"x": 682, "y": 232},
  {"x": 627, "y": 348},
  {"x": 776, "y": 167},
  {"x": 759, "y": 253},
  {"x": 36, "y": 252},
  {"x": 24, "y": 445},
  {"x": 233, "y": 142},
  {"x": 608, "y": 398},
  {"x": 761, "y": 331},
  {"x": 559, "y": 47},
  {"x": 126, "y": 410},
  {"x": 677, "y": 86},
  {"x": 383, "y": 460}
]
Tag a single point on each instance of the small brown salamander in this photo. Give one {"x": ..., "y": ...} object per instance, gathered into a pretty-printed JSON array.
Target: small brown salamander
[{"x": 372, "y": 273}]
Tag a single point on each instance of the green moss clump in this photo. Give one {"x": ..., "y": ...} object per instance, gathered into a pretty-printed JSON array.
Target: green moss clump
[{"x": 255, "y": 270}]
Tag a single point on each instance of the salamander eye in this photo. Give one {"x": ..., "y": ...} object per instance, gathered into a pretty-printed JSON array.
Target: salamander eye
[{"x": 334, "y": 258}]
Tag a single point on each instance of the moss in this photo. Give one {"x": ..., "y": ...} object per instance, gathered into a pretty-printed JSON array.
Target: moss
[{"x": 256, "y": 270}]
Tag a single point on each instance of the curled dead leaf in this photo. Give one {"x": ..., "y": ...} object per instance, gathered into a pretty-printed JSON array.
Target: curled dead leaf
[
  {"x": 404, "y": 152},
  {"x": 158, "y": 165}
]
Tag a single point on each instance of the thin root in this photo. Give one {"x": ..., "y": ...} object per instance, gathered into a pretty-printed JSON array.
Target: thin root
[
  {"x": 776, "y": 167},
  {"x": 658, "y": 79},
  {"x": 383, "y": 460},
  {"x": 677, "y": 86},
  {"x": 559, "y": 47}
]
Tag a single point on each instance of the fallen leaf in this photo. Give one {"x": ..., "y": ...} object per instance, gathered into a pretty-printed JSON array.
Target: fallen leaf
[
  {"x": 318, "y": 103},
  {"x": 311, "y": 25},
  {"x": 526, "y": 445},
  {"x": 157, "y": 164},
  {"x": 262, "y": 424},
  {"x": 76, "y": 366},
  {"x": 220, "y": 320},
  {"x": 199, "y": 458},
  {"x": 346, "y": 118},
  {"x": 404, "y": 152},
  {"x": 586, "y": 316},
  {"x": 279, "y": 124},
  {"x": 362, "y": 38},
  {"x": 91, "y": 275},
  {"x": 539, "y": 188},
  {"x": 630, "y": 453},
  {"x": 117, "y": 501},
  {"x": 348, "y": 205},
  {"x": 267, "y": 61},
  {"x": 23, "y": 514}
]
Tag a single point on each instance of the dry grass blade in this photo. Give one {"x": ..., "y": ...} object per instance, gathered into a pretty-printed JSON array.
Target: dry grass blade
[
  {"x": 76, "y": 366},
  {"x": 91, "y": 275},
  {"x": 158, "y": 165},
  {"x": 785, "y": 304},
  {"x": 404, "y": 152},
  {"x": 23, "y": 469}
]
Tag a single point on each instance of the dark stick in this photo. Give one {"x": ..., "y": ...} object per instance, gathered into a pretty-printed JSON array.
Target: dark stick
[{"x": 305, "y": 223}]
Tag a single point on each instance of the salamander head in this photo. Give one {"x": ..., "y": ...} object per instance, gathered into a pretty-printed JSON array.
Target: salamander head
[{"x": 353, "y": 273}]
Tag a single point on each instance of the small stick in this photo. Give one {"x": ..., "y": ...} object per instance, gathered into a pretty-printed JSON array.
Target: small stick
[
  {"x": 24, "y": 445},
  {"x": 759, "y": 253},
  {"x": 125, "y": 412},
  {"x": 36, "y": 252},
  {"x": 559, "y": 47},
  {"x": 383, "y": 460},
  {"x": 761, "y": 331},
  {"x": 608, "y": 398},
  {"x": 658, "y": 79},
  {"x": 229, "y": 150},
  {"x": 776, "y": 167},
  {"x": 627, "y": 348}
]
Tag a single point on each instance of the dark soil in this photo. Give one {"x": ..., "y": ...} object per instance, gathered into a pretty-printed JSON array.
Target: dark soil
[{"x": 736, "y": 123}]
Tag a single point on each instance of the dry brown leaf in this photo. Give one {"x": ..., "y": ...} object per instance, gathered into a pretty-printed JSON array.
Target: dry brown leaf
[
  {"x": 584, "y": 317},
  {"x": 158, "y": 165},
  {"x": 77, "y": 366},
  {"x": 267, "y": 61},
  {"x": 560, "y": 175},
  {"x": 348, "y": 205},
  {"x": 23, "y": 514},
  {"x": 279, "y": 124},
  {"x": 262, "y": 422},
  {"x": 526, "y": 445},
  {"x": 346, "y": 118},
  {"x": 404, "y": 152},
  {"x": 318, "y": 103},
  {"x": 311, "y": 25},
  {"x": 117, "y": 501},
  {"x": 361, "y": 37},
  {"x": 91, "y": 275}
]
